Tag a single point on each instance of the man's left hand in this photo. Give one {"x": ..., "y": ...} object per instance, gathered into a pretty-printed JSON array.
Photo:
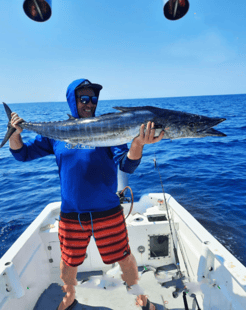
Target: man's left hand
[{"x": 148, "y": 137}]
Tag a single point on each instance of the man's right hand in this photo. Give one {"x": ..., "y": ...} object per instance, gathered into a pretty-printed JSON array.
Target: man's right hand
[
  {"x": 15, "y": 120},
  {"x": 15, "y": 141}
]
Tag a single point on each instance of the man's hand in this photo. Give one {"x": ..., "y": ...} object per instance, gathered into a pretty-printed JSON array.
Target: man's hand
[
  {"x": 15, "y": 141},
  {"x": 147, "y": 137},
  {"x": 15, "y": 120}
]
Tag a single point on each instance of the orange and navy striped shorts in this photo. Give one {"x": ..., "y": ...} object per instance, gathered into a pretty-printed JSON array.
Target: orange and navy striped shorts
[{"x": 108, "y": 228}]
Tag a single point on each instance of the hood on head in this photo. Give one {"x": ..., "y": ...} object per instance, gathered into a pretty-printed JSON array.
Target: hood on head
[{"x": 71, "y": 99}]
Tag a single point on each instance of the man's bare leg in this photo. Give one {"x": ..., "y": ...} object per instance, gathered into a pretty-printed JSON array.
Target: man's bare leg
[
  {"x": 130, "y": 276},
  {"x": 130, "y": 270},
  {"x": 68, "y": 276}
]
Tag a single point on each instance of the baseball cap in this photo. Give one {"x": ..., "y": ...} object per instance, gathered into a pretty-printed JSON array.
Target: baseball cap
[{"x": 88, "y": 84}]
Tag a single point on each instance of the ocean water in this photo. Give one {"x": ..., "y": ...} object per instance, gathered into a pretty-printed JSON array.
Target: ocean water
[{"x": 207, "y": 176}]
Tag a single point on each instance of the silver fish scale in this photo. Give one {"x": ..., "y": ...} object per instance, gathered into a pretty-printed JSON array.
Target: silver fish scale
[
  {"x": 95, "y": 131},
  {"x": 120, "y": 128},
  {"x": 106, "y": 132},
  {"x": 111, "y": 139}
]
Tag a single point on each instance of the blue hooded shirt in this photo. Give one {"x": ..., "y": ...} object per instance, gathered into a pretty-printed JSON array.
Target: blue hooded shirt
[
  {"x": 71, "y": 99},
  {"x": 88, "y": 176}
]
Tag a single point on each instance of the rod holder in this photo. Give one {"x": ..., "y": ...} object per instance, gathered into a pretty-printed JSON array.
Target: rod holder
[{"x": 13, "y": 286}]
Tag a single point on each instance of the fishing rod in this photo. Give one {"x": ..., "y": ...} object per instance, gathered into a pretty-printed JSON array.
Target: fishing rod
[
  {"x": 179, "y": 286},
  {"x": 179, "y": 273}
]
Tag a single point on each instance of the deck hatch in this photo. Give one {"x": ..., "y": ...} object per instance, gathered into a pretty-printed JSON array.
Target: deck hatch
[
  {"x": 158, "y": 246},
  {"x": 157, "y": 218}
]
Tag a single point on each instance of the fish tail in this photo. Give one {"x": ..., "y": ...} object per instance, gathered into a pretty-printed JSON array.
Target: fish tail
[{"x": 10, "y": 129}]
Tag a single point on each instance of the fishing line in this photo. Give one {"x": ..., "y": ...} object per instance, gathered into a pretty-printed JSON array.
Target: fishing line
[{"x": 169, "y": 220}]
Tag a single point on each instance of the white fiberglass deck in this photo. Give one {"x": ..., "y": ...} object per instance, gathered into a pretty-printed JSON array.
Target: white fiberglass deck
[{"x": 117, "y": 299}]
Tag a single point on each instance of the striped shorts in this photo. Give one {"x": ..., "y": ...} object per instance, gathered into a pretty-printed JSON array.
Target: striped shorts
[{"x": 107, "y": 227}]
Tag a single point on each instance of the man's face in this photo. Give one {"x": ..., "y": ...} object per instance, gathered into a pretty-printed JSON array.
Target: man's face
[{"x": 85, "y": 110}]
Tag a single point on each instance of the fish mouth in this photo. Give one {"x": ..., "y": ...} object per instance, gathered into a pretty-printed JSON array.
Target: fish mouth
[
  {"x": 213, "y": 132},
  {"x": 220, "y": 120},
  {"x": 215, "y": 121}
]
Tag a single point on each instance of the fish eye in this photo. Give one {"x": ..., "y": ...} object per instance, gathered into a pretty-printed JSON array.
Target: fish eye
[{"x": 192, "y": 125}]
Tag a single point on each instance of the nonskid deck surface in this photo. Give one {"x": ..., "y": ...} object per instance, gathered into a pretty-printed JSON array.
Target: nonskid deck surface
[{"x": 117, "y": 299}]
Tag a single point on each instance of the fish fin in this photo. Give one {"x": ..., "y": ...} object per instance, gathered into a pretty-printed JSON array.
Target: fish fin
[
  {"x": 148, "y": 108},
  {"x": 70, "y": 116},
  {"x": 8, "y": 134},
  {"x": 7, "y": 110},
  {"x": 154, "y": 110},
  {"x": 124, "y": 109},
  {"x": 11, "y": 129}
]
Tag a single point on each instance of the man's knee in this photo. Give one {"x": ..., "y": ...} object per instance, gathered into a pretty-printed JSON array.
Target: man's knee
[{"x": 130, "y": 259}]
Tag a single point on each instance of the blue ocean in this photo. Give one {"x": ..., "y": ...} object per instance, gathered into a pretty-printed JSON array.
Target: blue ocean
[{"x": 207, "y": 176}]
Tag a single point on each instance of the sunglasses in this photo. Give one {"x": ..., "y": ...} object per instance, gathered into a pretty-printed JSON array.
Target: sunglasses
[{"x": 86, "y": 99}]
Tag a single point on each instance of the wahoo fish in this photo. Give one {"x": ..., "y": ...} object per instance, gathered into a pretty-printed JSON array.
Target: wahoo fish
[{"x": 114, "y": 129}]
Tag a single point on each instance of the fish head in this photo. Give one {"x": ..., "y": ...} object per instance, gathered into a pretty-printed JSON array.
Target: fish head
[
  {"x": 178, "y": 124},
  {"x": 198, "y": 126}
]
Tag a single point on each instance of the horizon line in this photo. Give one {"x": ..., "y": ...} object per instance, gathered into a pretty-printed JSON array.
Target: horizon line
[{"x": 132, "y": 98}]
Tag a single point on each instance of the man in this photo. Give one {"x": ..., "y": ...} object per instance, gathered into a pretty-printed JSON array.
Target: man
[{"x": 90, "y": 206}]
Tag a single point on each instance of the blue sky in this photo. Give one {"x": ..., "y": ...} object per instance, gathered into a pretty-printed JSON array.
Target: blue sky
[{"x": 127, "y": 46}]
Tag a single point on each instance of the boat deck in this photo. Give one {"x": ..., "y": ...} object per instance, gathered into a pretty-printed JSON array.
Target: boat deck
[
  {"x": 116, "y": 299},
  {"x": 31, "y": 268}
]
